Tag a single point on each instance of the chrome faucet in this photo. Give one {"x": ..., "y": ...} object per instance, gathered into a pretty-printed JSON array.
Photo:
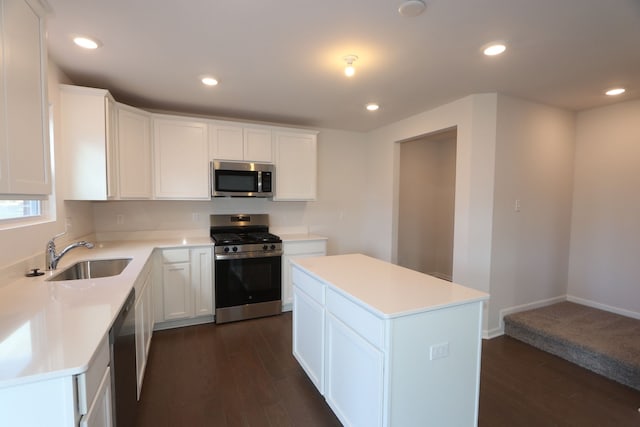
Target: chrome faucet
[{"x": 52, "y": 259}]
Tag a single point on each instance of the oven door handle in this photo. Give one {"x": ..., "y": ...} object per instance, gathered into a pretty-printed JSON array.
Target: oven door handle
[{"x": 241, "y": 255}]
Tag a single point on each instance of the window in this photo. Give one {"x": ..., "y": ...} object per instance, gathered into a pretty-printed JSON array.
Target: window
[{"x": 16, "y": 209}]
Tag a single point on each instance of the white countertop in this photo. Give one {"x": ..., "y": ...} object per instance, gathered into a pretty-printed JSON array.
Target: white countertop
[
  {"x": 298, "y": 237},
  {"x": 386, "y": 289},
  {"x": 52, "y": 329}
]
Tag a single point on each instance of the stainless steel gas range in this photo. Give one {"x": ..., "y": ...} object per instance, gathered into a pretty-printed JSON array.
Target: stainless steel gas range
[{"x": 248, "y": 267}]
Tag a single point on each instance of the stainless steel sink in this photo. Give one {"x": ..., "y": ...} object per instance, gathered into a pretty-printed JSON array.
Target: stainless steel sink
[{"x": 92, "y": 269}]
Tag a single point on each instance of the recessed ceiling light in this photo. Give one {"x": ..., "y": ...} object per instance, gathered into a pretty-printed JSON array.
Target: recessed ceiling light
[
  {"x": 372, "y": 106},
  {"x": 494, "y": 49},
  {"x": 616, "y": 91},
  {"x": 411, "y": 8},
  {"x": 86, "y": 42},
  {"x": 209, "y": 81}
]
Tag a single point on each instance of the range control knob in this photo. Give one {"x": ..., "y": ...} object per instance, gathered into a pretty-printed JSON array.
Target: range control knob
[
  {"x": 226, "y": 248},
  {"x": 235, "y": 249},
  {"x": 265, "y": 247},
  {"x": 273, "y": 247}
]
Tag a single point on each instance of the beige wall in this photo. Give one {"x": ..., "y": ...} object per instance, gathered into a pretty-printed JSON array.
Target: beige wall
[
  {"x": 534, "y": 165},
  {"x": 604, "y": 267},
  {"x": 426, "y": 204}
]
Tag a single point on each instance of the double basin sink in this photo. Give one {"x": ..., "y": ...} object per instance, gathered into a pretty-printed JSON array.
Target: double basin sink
[{"x": 92, "y": 269}]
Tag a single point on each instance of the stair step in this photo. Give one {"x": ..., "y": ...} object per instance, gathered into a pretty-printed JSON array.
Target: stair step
[{"x": 598, "y": 340}]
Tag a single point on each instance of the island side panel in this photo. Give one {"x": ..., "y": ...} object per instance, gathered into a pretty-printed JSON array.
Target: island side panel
[{"x": 435, "y": 367}]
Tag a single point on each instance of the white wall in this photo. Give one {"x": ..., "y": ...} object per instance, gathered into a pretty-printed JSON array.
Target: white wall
[
  {"x": 534, "y": 164},
  {"x": 604, "y": 267},
  {"x": 336, "y": 214}
]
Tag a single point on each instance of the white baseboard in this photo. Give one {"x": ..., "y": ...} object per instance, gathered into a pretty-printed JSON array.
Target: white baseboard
[
  {"x": 496, "y": 332},
  {"x": 605, "y": 307}
]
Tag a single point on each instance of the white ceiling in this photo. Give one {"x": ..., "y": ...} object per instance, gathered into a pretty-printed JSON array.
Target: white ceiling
[{"x": 281, "y": 60}]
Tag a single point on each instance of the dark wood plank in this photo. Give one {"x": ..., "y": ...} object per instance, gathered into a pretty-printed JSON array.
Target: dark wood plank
[
  {"x": 243, "y": 374},
  {"x": 521, "y": 385},
  {"x": 235, "y": 374}
]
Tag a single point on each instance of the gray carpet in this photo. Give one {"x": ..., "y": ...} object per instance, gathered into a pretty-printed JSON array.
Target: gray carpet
[{"x": 603, "y": 342}]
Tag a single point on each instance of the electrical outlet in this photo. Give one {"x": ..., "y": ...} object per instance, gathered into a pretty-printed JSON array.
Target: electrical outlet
[
  {"x": 119, "y": 219},
  {"x": 195, "y": 216},
  {"x": 439, "y": 351}
]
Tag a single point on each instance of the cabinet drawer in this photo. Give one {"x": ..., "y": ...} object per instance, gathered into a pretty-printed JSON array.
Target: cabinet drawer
[
  {"x": 365, "y": 323},
  {"x": 312, "y": 287},
  {"x": 175, "y": 255},
  {"x": 89, "y": 381}
]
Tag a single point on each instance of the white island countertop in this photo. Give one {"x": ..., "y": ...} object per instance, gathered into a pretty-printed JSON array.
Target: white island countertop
[
  {"x": 386, "y": 289},
  {"x": 52, "y": 329}
]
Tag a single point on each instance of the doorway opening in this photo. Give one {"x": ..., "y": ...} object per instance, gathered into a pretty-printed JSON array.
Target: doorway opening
[{"x": 426, "y": 203}]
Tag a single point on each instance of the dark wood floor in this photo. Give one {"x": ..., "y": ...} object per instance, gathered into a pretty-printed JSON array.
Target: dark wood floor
[{"x": 243, "y": 374}]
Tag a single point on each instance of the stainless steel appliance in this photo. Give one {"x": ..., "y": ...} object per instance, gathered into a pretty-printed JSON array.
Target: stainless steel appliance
[
  {"x": 248, "y": 267},
  {"x": 122, "y": 341},
  {"x": 241, "y": 179}
]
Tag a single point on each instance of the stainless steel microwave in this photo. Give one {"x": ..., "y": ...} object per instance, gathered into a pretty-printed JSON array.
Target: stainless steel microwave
[{"x": 241, "y": 179}]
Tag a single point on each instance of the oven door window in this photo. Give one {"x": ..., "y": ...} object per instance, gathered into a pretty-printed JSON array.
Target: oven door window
[
  {"x": 236, "y": 181},
  {"x": 247, "y": 281}
]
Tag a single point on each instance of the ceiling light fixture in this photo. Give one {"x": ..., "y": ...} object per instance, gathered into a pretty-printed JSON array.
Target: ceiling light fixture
[
  {"x": 209, "y": 81},
  {"x": 86, "y": 42},
  {"x": 411, "y": 8},
  {"x": 349, "y": 70},
  {"x": 372, "y": 106},
  {"x": 616, "y": 91},
  {"x": 494, "y": 49}
]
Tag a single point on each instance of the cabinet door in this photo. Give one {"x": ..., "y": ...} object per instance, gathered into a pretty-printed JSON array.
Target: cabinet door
[
  {"x": 225, "y": 142},
  {"x": 202, "y": 281},
  {"x": 99, "y": 414},
  {"x": 296, "y": 167},
  {"x": 176, "y": 286},
  {"x": 88, "y": 152},
  {"x": 354, "y": 376},
  {"x": 134, "y": 153},
  {"x": 308, "y": 336},
  {"x": 24, "y": 163},
  {"x": 181, "y": 159},
  {"x": 257, "y": 145},
  {"x": 141, "y": 357},
  {"x": 111, "y": 128}
]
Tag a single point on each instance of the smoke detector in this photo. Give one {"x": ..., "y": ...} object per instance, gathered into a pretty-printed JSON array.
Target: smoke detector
[{"x": 411, "y": 8}]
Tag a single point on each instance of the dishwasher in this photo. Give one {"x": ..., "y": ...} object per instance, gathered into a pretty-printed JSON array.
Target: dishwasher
[{"x": 122, "y": 343}]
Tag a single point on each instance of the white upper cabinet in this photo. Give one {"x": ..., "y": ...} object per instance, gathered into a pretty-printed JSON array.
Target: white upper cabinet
[
  {"x": 181, "y": 158},
  {"x": 134, "y": 153},
  {"x": 24, "y": 142},
  {"x": 241, "y": 143},
  {"x": 296, "y": 165},
  {"x": 88, "y": 130}
]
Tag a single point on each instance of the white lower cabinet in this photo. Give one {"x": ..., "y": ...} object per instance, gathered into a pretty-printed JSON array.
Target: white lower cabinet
[
  {"x": 94, "y": 390},
  {"x": 99, "y": 413},
  {"x": 144, "y": 322},
  {"x": 186, "y": 290},
  {"x": 354, "y": 376},
  {"x": 383, "y": 371},
  {"x": 293, "y": 249},
  {"x": 308, "y": 335}
]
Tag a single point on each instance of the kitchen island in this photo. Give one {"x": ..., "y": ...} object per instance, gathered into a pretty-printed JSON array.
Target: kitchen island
[{"x": 385, "y": 345}]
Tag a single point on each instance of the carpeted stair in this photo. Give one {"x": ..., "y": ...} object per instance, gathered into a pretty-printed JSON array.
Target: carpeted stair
[{"x": 603, "y": 342}]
